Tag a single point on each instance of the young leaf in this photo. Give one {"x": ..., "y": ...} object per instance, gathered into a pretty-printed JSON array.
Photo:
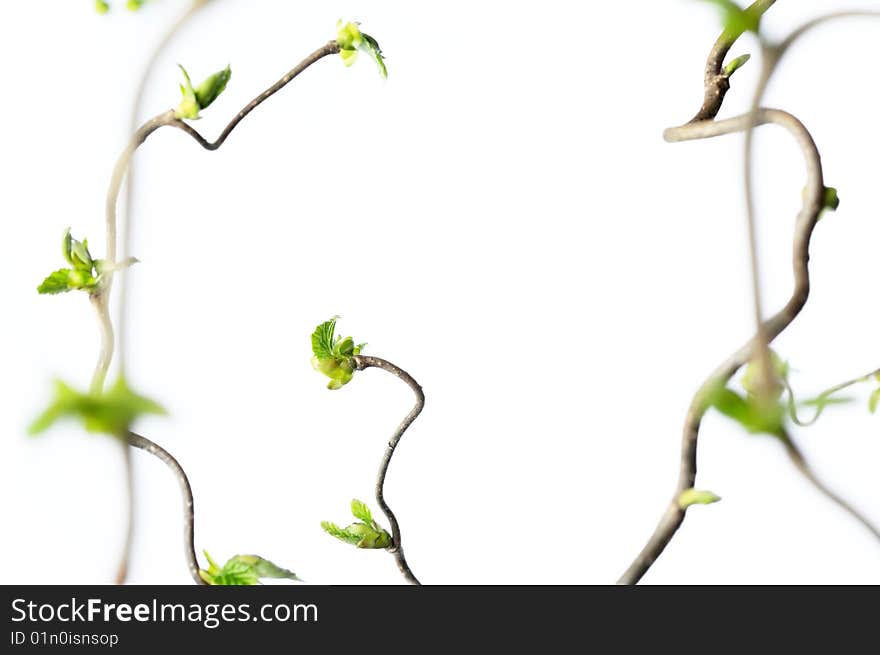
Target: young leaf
[
  {"x": 874, "y": 401},
  {"x": 242, "y": 570},
  {"x": 322, "y": 339},
  {"x": 189, "y": 104},
  {"x": 360, "y": 511},
  {"x": 365, "y": 534},
  {"x": 693, "y": 496},
  {"x": 335, "y": 531},
  {"x": 735, "y": 19},
  {"x": 333, "y": 355},
  {"x": 111, "y": 413},
  {"x": 57, "y": 282},
  {"x": 207, "y": 91},
  {"x": 350, "y": 39},
  {"x": 755, "y": 416}
]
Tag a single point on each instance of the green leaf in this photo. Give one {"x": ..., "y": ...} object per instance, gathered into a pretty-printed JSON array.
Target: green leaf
[
  {"x": 360, "y": 511},
  {"x": 693, "y": 496},
  {"x": 335, "y": 531},
  {"x": 735, "y": 19},
  {"x": 208, "y": 91},
  {"x": 322, "y": 339},
  {"x": 57, "y": 282},
  {"x": 874, "y": 401},
  {"x": 333, "y": 355},
  {"x": 371, "y": 47},
  {"x": 736, "y": 64},
  {"x": 243, "y": 570},
  {"x": 350, "y": 40},
  {"x": 111, "y": 413},
  {"x": 189, "y": 104},
  {"x": 365, "y": 534},
  {"x": 755, "y": 416}
]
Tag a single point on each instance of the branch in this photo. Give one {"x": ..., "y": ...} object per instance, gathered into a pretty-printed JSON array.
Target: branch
[
  {"x": 797, "y": 458},
  {"x": 137, "y": 441},
  {"x": 806, "y": 222},
  {"x": 122, "y": 569},
  {"x": 362, "y": 362},
  {"x": 716, "y": 82}
]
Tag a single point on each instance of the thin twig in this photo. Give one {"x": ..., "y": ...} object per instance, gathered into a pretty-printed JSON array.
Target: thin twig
[
  {"x": 362, "y": 362},
  {"x": 122, "y": 569},
  {"x": 189, "y": 549},
  {"x": 820, "y": 405},
  {"x": 806, "y": 222},
  {"x": 797, "y": 458}
]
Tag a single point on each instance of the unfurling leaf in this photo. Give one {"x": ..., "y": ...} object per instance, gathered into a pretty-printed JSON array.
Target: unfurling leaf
[
  {"x": 208, "y": 91},
  {"x": 333, "y": 355},
  {"x": 111, "y": 412},
  {"x": 874, "y": 400},
  {"x": 364, "y": 534},
  {"x": 753, "y": 413},
  {"x": 350, "y": 40},
  {"x": 242, "y": 570},
  {"x": 85, "y": 271},
  {"x": 57, "y": 282},
  {"x": 737, "y": 20},
  {"x": 693, "y": 496}
]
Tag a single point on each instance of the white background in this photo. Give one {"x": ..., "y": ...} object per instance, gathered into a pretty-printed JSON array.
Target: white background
[{"x": 501, "y": 218}]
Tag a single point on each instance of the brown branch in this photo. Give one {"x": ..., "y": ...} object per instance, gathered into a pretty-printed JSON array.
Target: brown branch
[
  {"x": 806, "y": 222},
  {"x": 330, "y": 48},
  {"x": 137, "y": 441},
  {"x": 715, "y": 81},
  {"x": 797, "y": 458},
  {"x": 362, "y": 362}
]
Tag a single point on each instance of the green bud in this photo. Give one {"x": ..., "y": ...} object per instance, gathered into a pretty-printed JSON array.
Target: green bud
[
  {"x": 751, "y": 380},
  {"x": 831, "y": 200},
  {"x": 693, "y": 496},
  {"x": 208, "y": 91},
  {"x": 134, "y": 5},
  {"x": 189, "y": 105},
  {"x": 736, "y": 64},
  {"x": 348, "y": 36},
  {"x": 101, "y": 6}
]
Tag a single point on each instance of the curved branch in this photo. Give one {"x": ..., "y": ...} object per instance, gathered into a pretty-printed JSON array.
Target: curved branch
[
  {"x": 362, "y": 362},
  {"x": 797, "y": 458},
  {"x": 332, "y": 47},
  {"x": 137, "y": 441},
  {"x": 806, "y": 222}
]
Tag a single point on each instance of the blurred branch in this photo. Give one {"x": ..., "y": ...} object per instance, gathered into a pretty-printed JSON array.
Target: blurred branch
[
  {"x": 806, "y": 222},
  {"x": 362, "y": 362},
  {"x": 797, "y": 458}
]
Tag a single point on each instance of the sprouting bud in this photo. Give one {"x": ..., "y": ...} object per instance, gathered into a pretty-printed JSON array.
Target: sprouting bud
[
  {"x": 350, "y": 39},
  {"x": 208, "y": 91},
  {"x": 831, "y": 200},
  {"x": 693, "y": 496},
  {"x": 196, "y": 99},
  {"x": 736, "y": 64}
]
